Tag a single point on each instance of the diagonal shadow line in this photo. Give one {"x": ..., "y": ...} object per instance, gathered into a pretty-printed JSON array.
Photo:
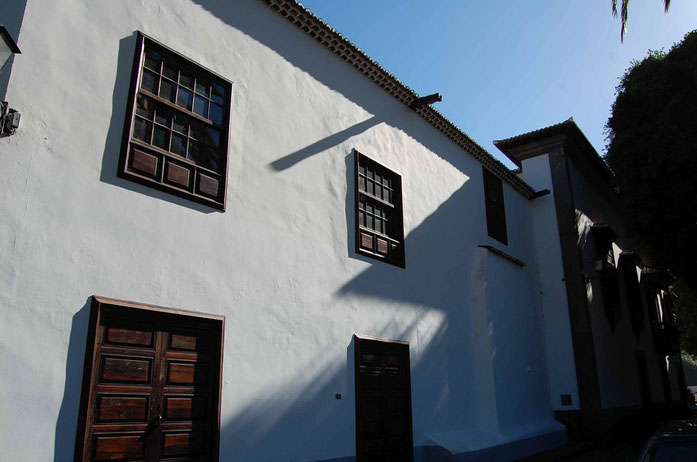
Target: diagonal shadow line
[{"x": 323, "y": 144}]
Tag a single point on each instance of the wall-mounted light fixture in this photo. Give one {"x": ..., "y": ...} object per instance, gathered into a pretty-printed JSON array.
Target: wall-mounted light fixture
[{"x": 9, "y": 118}]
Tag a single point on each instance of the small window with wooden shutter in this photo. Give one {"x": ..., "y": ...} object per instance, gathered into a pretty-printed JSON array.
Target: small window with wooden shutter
[
  {"x": 606, "y": 272},
  {"x": 495, "y": 210},
  {"x": 379, "y": 229}
]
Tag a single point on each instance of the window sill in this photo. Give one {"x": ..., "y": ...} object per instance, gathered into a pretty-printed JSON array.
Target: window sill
[{"x": 503, "y": 254}]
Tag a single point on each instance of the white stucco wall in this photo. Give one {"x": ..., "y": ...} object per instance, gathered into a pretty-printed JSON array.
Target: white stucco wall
[
  {"x": 279, "y": 263},
  {"x": 557, "y": 329},
  {"x": 615, "y": 353}
]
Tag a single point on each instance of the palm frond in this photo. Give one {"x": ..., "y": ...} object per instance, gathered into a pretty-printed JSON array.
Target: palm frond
[
  {"x": 666, "y": 3},
  {"x": 623, "y": 19},
  {"x": 614, "y": 8}
]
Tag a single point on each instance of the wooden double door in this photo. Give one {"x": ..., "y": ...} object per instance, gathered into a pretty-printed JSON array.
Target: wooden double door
[
  {"x": 151, "y": 389},
  {"x": 383, "y": 401}
]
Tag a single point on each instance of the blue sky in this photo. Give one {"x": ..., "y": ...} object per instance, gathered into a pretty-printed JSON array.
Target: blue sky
[{"x": 508, "y": 67}]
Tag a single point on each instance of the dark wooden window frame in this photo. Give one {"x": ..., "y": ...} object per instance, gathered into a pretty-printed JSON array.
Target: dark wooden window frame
[
  {"x": 97, "y": 306},
  {"x": 627, "y": 270},
  {"x": 495, "y": 207},
  {"x": 383, "y": 242},
  {"x": 150, "y": 165},
  {"x": 606, "y": 273}
]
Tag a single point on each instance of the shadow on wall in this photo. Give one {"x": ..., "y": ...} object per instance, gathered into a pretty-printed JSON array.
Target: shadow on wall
[
  {"x": 301, "y": 416},
  {"x": 66, "y": 425},
  {"x": 302, "y": 419},
  {"x": 262, "y": 24},
  {"x": 323, "y": 144},
  {"x": 114, "y": 137},
  {"x": 11, "y": 16}
]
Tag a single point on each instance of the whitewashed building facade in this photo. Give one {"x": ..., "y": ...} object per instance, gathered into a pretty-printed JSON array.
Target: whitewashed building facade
[{"x": 346, "y": 277}]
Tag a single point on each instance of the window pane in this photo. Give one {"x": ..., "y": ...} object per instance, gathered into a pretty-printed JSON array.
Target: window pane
[
  {"x": 161, "y": 138},
  {"x": 202, "y": 88},
  {"x": 218, "y": 93},
  {"x": 168, "y": 90},
  {"x": 186, "y": 80},
  {"x": 361, "y": 183},
  {"x": 194, "y": 152},
  {"x": 386, "y": 195},
  {"x": 178, "y": 144},
  {"x": 378, "y": 178},
  {"x": 144, "y": 106},
  {"x": 163, "y": 115},
  {"x": 212, "y": 137},
  {"x": 142, "y": 129},
  {"x": 371, "y": 174},
  {"x": 184, "y": 98},
  {"x": 210, "y": 158},
  {"x": 386, "y": 181},
  {"x": 371, "y": 186},
  {"x": 181, "y": 123},
  {"x": 197, "y": 130},
  {"x": 149, "y": 82},
  {"x": 378, "y": 190},
  {"x": 378, "y": 225},
  {"x": 369, "y": 208},
  {"x": 361, "y": 169},
  {"x": 361, "y": 218},
  {"x": 153, "y": 60},
  {"x": 201, "y": 106},
  {"x": 170, "y": 71},
  {"x": 216, "y": 114},
  {"x": 369, "y": 221}
]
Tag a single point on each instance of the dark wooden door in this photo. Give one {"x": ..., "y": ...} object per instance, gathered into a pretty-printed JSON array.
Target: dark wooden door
[
  {"x": 153, "y": 392},
  {"x": 383, "y": 401}
]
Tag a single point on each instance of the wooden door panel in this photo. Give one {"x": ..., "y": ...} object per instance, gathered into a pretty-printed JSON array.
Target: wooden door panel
[
  {"x": 190, "y": 341},
  {"x": 187, "y": 373},
  {"x": 152, "y": 392},
  {"x": 126, "y": 369},
  {"x": 128, "y": 333},
  {"x": 122, "y": 408},
  {"x": 187, "y": 405},
  {"x": 383, "y": 401},
  {"x": 184, "y": 407},
  {"x": 183, "y": 444},
  {"x": 119, "y": 448}
]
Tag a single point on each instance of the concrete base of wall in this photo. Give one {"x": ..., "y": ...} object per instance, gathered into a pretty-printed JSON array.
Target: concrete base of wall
[
  {"x": 510, "y": 451},
  {"x": 513, "y": 450},
  {"x": 590, "y": 424}
]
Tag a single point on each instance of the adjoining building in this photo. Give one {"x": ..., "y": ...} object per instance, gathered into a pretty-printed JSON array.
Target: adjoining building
[
  {"x": 316, "y": 269},
  {"x": 623, "y": 332}
]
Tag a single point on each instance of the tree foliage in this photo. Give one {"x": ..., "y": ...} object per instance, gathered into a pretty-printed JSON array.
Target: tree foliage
[
  {"x": 624, "y": 9},
  {"x": 652, "y": 149},
  {"x": 686, "y": 313}
]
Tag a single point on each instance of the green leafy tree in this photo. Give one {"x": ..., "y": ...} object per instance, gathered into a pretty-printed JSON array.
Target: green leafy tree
[
  {"x": 686, "y": 313},
  {"x": 623, "y": 14},
  {"x": 652, "y": 149}
]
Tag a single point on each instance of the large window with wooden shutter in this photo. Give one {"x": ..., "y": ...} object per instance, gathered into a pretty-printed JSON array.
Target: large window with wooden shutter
[
  {"x": 176, "y": 130},
  {"x": 379, "y": 229}
]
